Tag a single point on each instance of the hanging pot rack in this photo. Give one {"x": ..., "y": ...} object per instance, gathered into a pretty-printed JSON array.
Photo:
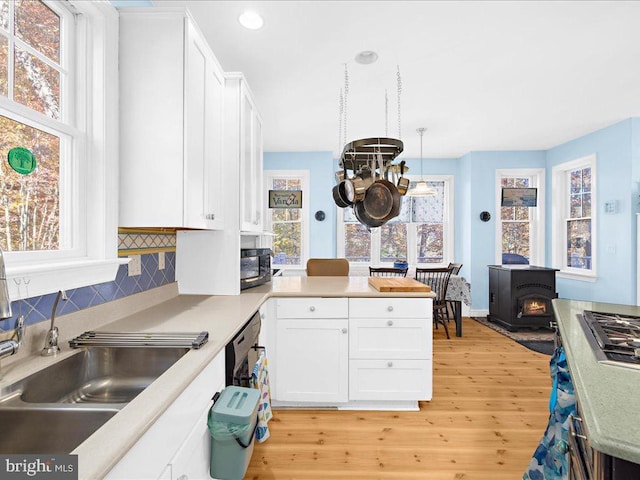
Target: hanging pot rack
[{"x": 359, "y": 153}]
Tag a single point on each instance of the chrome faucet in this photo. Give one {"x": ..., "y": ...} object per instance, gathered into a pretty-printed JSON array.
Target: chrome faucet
[
  {"x": 11, "y": 346},
  {"x": 5, "y": 302},
  {"x": 51, "y": 340}
]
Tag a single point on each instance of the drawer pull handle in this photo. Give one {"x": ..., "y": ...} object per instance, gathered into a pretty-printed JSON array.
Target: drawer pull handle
[
  {"x": 312, "y": 308},
  {"x": 344, "y": 330},
  {"x": 390, "y": 323},
  {"x": 389, "y": 364},
  {"x": 390, "y": 308}
]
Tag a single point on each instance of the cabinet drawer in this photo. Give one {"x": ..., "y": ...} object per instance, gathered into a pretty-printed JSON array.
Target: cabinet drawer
[
  {"x": 390, "y": 307},
  {"x": 312, "y": 307},
  {"x": 390, "y": 380},
  {"x": 408, "y": 338}
]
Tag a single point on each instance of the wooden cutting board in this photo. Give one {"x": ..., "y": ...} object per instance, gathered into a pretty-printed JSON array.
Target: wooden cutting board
[{"x": 400, "y": 284}]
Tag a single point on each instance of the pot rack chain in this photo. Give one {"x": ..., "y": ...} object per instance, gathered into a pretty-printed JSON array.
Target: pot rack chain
[
  {"x": 399, "y": 93},
  {"x": 346, "y": 94},
  {"x": 386, "y": 113},
  {"x": 340, "y": 118}
]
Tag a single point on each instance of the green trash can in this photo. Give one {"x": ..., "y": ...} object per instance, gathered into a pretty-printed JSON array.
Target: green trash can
[{"x": 232, "y": 422}]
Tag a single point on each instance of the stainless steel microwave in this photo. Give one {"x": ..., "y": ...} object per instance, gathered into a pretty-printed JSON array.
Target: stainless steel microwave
[{"x": 255, "y": 267}]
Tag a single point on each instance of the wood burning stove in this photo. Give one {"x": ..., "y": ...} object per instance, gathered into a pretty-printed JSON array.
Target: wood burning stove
[{"x": 520, "y": 296}]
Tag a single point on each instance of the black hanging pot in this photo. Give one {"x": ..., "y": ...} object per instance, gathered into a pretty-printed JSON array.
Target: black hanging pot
[
  {"x": 403, "y": 182},
  {"x": 376, "y": 205},
  {"x": 364, "y": 218},
  {"x": 339, "y": 196}
]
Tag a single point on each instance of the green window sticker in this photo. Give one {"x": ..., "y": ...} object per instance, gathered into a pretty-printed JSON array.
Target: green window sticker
[{"x": 22, "y": 160}]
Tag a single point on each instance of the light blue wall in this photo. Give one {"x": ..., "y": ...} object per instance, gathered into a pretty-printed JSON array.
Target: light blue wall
[
  {"x": 321, "y": 167},
  {"x": 617, "y": 174},
  {"x": 479, "y": 172}
]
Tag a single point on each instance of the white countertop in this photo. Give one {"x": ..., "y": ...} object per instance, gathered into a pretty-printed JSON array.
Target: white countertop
[
  {"x": 222, "y": 317},
  {"x": 609, "y": 395}
]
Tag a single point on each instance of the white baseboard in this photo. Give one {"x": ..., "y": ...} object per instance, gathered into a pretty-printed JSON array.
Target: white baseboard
[{"x": 478, "y": 313}]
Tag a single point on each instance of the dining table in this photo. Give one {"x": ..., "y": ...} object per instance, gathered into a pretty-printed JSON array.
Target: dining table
[{"x": 458, "y": 291}]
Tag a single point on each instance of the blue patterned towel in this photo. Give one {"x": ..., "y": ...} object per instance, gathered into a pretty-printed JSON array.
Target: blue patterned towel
[
  {"x": 260, "y": 380},
  {"x": 550, "y": 460}
]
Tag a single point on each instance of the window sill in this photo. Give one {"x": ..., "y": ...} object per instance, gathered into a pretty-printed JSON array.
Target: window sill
[
  {"x": 583, "y": 277},
  {"x": 33, "y": 281}
]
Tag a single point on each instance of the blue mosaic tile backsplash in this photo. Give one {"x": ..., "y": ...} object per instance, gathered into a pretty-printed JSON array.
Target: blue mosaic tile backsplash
[{"x": 38, "y": 309}]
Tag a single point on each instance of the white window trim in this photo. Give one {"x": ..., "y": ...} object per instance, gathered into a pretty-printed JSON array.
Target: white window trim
[
  {"x": 30, "y": 274},
  {"x": 269, "y": 175},
  {"x": 560, "y": 194},
  {"x": 536, "y": 215},
  {"x": 449, "y": 233}
]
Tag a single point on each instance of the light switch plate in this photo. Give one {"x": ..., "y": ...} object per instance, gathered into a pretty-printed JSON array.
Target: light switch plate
[
  {"x": 135, "y": 265},
  {"x": 160, "y": 260}
]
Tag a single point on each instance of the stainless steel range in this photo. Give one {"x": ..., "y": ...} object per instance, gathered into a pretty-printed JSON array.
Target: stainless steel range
[{"x": 615, "y": 338}]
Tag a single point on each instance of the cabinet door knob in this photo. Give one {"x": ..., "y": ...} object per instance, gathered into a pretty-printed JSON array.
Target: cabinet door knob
[
  {"x": 389, "y": 364},
  {"x": 183, "y": 477},
  {"x": 390, "y": 308},
  {"x": 344, "y": 330},
  {"x": 390, "y": 323},
  {"x": 312, "y": 308}
]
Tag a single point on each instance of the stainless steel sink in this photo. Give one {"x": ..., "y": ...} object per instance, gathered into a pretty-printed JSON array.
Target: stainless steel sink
[
  {"x": 99, "y": 375},
  {"x": 55, "y": 409},
  {"x": 48, "y": 430}
]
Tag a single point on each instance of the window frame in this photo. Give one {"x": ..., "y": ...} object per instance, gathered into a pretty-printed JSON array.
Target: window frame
[
  {"x": 92, "y": 122},
  {"x": 536, "y": 215},
  {"x": 304, "y": 176},
  {"x": 448, "y": 231},
  {"x": 560, "y": 215}
]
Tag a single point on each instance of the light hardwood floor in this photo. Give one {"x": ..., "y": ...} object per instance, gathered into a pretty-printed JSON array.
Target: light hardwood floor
[{"x": 488, "y": 413}]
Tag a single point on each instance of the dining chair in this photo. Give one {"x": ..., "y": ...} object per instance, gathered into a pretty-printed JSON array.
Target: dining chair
[
  {"x": 438, "y": 280},
  {"x": 388, "y": 272},
  {"x": 455, "y": 268},
  {"x": 327, "y": 267}
]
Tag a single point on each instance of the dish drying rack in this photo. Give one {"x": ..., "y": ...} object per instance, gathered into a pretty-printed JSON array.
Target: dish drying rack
[{"x": 140, "y": 339}]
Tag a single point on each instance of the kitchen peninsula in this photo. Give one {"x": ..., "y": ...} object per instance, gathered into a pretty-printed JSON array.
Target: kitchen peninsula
[{"x": 136, "y": 436}]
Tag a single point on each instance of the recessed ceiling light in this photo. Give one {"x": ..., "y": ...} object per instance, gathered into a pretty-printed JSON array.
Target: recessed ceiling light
[
  {"x": 366, "y": 57},
  {"x": 250, "y": 20}
]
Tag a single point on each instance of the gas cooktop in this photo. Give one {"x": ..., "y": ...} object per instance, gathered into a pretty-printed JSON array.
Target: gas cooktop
[{"x": 617, "y": 337}]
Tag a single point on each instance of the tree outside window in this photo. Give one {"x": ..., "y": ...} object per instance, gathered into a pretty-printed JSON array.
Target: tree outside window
[
  {"x": 515, "y": 221},
  {"x": 30, "y": 41},
  {"x": 288, "y": 224},
  {"x": 579, "y": 220}
]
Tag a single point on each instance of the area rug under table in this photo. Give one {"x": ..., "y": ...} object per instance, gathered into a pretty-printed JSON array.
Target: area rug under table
[{"x": 539, "y": 340}]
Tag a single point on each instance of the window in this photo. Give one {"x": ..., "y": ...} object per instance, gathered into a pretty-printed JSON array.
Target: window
[
  {"x": 33, "y": 70},
  {"x": 520, "y": 230},
  {"x": 422, "y": 233},
  {"x": 574, "y": 220},
  {"x": 58, "y": 99},
  {"x": 290, "y": 225}
]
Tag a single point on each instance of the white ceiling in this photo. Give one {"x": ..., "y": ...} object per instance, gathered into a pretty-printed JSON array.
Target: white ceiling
[{"x": 503, "y": 75}]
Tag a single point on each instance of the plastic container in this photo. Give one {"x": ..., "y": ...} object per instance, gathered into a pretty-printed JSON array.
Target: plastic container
[
  {"x": 232, "y": 424},
  {"x": 400, "y": 264}
]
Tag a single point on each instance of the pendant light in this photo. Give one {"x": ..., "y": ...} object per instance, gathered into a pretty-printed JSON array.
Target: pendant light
[{"x": 421, "y": 189}]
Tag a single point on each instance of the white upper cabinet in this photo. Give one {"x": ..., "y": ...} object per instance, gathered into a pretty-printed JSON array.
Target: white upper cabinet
[
  {"x": 172, "y": 107},
  {"x": 246, "y": 123}
]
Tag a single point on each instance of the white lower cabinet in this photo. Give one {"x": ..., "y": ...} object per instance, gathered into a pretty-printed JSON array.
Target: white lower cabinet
[
  {"x": 177, "y": 444},
  {"x": 312, "y": 360},
  {"x": 336, "y": 350}
]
